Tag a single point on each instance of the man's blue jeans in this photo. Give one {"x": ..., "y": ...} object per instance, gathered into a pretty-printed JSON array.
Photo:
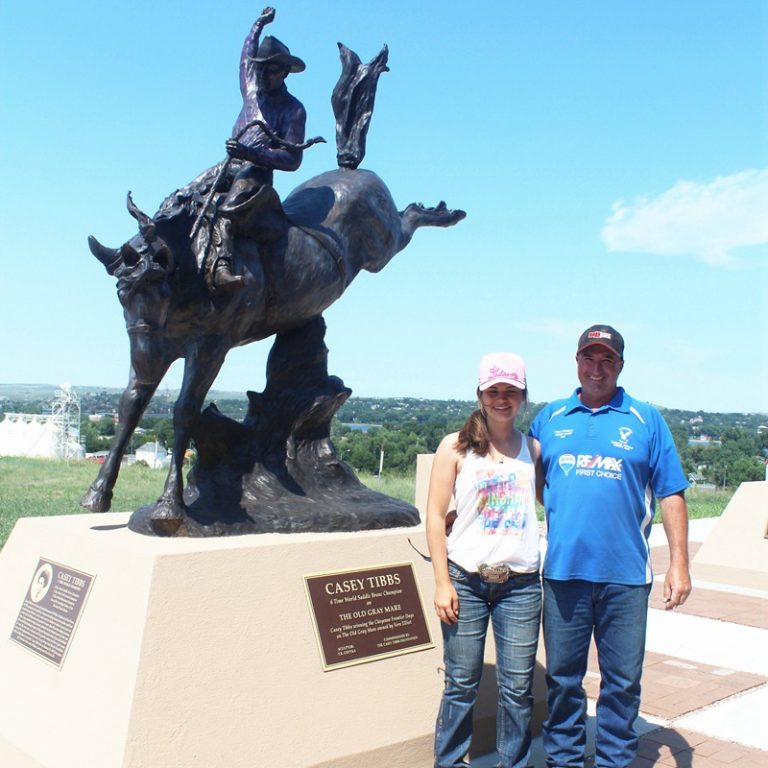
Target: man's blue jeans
[
  {"x": 617, "y": 614},
  {"x": 514, "y": 610}
]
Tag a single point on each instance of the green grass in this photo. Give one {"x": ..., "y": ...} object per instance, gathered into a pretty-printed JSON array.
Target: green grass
[
  {"x": 707, "y": 503},
  {"x": 401, "y": 487},
  {"x": 40, "y": 487},
  {"x": 704, "y": 503}
]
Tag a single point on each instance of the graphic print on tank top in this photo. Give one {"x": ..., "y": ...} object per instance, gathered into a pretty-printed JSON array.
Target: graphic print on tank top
[{"x": 501, "y": 501}]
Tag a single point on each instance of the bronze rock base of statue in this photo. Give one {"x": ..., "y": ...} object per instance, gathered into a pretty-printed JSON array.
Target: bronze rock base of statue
[{"x": 277, "y": 471}]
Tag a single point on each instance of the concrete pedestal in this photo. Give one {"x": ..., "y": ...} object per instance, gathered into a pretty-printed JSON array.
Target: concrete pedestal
[
  {"x": 736, "y": 550},
  {"x": 201, "y": 652}
]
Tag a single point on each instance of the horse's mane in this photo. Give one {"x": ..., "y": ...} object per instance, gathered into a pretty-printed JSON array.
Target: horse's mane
[{"x": 191, "y": 198}]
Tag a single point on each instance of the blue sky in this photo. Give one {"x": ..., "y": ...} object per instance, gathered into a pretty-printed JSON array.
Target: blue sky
[{"x": 611, "y": 156}]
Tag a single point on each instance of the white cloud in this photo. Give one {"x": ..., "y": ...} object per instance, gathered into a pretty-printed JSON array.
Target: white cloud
[{"x": 707, "y": 221}]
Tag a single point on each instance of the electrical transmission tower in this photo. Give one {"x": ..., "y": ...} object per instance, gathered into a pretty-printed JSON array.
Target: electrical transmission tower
[{"x": 65, "y": 412}]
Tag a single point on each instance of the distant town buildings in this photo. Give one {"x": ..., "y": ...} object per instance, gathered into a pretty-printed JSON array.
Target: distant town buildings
[
  {"x": 704, "y": 441},
  {"x": 153, "y": 454},
  {"x": 364, "y": 428}
]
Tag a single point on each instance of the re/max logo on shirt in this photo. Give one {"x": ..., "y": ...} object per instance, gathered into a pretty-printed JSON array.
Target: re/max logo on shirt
[
  {"x": 598, "y": 466},
  {"x": 587, "y": 461},
  {"x": 591, "y": 466}
]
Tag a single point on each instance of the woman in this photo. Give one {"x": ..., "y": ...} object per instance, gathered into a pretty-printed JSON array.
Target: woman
[{"x": 488, "y": 565}]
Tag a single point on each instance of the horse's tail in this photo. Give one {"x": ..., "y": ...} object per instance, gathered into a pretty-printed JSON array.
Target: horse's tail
[{"x": 352, "y": 101}]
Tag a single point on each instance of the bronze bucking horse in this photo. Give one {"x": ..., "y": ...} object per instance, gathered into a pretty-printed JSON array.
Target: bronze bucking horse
[{"x": 338, "y": 224}]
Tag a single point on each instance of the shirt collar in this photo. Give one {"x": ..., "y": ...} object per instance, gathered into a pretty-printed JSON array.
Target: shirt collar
[{"x": 619, "y": 402}]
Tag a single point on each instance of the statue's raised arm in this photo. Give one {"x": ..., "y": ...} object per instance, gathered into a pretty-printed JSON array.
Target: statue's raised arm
[{"x": 250, "y": 47}]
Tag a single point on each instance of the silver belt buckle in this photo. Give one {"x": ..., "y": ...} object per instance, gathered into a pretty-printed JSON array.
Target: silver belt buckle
[{"x": 494, "y": 574}]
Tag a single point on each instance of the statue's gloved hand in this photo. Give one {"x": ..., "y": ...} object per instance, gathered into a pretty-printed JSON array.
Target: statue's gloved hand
[
  {"x": 255, "y": 155},
  {"x": 236, "y": 150},
  {"x": 267, "y": 17}
]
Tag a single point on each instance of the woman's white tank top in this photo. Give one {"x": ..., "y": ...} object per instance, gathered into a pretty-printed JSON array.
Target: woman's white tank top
[{"x": 496, "y": 513}]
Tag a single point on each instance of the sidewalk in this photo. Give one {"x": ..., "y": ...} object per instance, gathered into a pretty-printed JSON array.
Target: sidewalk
[{"x": 705, "y": 676}]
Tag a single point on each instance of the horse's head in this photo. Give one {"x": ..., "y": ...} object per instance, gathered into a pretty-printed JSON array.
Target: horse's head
[{"x": 142, "y": 267}]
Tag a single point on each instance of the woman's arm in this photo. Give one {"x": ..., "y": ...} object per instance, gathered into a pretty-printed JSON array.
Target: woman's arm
[
  {"x": 441, "y": 482},
  {"x": 534, "y": 448}
]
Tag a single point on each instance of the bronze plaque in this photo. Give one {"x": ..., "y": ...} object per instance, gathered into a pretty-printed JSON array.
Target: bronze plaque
[
  {"x": 367, "y": 614},
  {"x": 51, "y": 610}
]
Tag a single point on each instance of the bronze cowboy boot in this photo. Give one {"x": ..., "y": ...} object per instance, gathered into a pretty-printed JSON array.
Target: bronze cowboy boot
[{"x": 218, "y": 272}]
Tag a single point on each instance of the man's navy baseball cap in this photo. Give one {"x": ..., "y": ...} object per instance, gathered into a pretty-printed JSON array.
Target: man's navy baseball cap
[{"x": 603, "y": 335}]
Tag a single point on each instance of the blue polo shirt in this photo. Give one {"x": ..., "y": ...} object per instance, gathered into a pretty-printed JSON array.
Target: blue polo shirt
[{"x": 603, "y": 471}]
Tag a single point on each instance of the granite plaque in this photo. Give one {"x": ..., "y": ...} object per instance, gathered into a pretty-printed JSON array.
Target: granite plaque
[
  {"x": 368, "y": 614},
  {"x": 51, "y": 610}
]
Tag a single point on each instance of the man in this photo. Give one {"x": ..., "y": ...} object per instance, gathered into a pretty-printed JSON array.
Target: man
[
  {"x": 255, "y": 152},
  {"x": 605, "y": 458}
]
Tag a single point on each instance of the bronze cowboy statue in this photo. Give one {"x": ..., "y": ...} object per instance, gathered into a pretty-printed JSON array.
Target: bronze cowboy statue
[
  {"x": 272, "y": 270},
  {"x": 267, "y": 136}
]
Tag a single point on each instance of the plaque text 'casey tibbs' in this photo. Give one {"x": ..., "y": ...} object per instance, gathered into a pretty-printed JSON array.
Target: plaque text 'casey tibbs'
[{"x": 367, "y": 614}]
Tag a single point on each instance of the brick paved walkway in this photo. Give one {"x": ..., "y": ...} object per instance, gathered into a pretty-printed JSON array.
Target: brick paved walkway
[
  {"x": 673, "y": 687},
  {"x": 680, "y": 748},
  {"x": 710, "y": 603}
]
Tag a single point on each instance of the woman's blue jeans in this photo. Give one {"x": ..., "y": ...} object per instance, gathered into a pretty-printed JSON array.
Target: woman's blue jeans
[
  {"x": 617, "y": 614},
  {"x": 514, "y": 610}
]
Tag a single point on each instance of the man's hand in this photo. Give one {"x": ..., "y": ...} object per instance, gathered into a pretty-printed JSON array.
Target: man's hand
[
  {"x": 267, "y": 17},
  {"x": 677, "y": 586},
  {"x": 447, "y": 603}
]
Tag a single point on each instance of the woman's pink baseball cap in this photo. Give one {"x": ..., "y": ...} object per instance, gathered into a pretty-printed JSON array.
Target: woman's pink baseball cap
[{"x": 501, "y": 368}]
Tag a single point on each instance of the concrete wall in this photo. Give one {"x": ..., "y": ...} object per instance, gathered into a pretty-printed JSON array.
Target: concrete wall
[
  {"x": 201, "y": 652},
  {"x": 736, "y": 550}
]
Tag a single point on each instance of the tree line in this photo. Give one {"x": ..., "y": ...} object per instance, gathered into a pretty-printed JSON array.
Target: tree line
[
  {"x": 737, "y": 449},
  {"x": 734, "y": 448}
]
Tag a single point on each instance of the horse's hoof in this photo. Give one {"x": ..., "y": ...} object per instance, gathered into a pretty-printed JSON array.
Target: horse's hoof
[
  {"x": 96, "y": 500},
  {"x": 166, "y": 517},
  {"x": 165, "y": 526}
]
